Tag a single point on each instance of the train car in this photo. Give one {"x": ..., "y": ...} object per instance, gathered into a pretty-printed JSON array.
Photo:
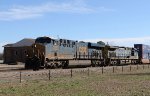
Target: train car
[
  {"x": 95, "y": 53},
  {"x": 57, "y": 52},
  {"x": 122, "y": 55},
  {"x": 143, "y": 52},
  {"x": 65, "y": 53}
]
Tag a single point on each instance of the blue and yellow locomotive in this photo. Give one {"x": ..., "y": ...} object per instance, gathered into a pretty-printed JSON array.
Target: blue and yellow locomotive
[{"x": 55, "y": 53}]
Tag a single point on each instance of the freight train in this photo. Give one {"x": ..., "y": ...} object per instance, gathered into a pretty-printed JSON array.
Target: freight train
[{"x": 62, "y": 53}]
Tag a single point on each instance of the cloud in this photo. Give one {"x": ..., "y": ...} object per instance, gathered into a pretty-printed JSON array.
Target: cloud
[
  {"x": 123, "y": 41},
  {"x": 103, "y": 9},
  {"x": 26, "y": 12}
]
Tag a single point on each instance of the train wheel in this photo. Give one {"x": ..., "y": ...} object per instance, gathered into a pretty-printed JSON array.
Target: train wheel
[
  {"x": 65, "y": 64},
  {"x": 54, "y": 65},
  {"x": 47, "y": 65},
  {"x": 59, "y": 65},
  {"x": 118, "y": 62},
  {"x": 93, "y": 63},
  {"x": 101, "y": 64},
  {"x": 28, "y": 63}
]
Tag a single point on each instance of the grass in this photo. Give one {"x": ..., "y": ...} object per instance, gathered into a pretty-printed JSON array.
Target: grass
[{"x": 135, "y": 83}]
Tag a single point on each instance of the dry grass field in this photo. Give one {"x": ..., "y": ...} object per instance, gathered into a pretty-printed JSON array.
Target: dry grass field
[{"x": 130, "y": 82}]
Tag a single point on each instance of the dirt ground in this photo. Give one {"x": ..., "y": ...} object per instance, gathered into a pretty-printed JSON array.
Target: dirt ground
[
  {"x": 131, "y": 80},
  {"x": 11, "y": 73}
]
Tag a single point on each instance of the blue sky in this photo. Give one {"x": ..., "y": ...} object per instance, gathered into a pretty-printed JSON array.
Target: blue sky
[{"x": 118, "y": 22}]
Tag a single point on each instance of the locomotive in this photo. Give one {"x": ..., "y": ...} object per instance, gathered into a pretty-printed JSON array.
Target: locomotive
[{"x": 56, "y": 53}]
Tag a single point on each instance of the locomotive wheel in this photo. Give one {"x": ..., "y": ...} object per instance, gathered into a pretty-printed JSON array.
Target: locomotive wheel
[
  {"x": 53, "y": 66},
  {"x": 118, "y": 62},
  {"x": 28, "y": 63},
  {"x": 96, "y": 64},
  {"x": 56, "y": 64},
  {"x": 36, "y": 62},
  {"x": 93, "y": 63},
  {"x": 59, "y": 65},
  {"x": 102, "y": 64},
  {"x": 65, "y": 64},
  {"x": 48, "y": 65}
]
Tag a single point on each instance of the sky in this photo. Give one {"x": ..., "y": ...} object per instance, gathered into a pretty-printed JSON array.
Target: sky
[{"x": 116, "y": 22}]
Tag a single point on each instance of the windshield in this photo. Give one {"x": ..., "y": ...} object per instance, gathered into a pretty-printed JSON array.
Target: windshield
[{"x": 43, "y": 40}]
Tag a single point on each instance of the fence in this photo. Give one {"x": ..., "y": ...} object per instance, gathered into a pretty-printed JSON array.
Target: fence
[{"x": 27, "y": 75}]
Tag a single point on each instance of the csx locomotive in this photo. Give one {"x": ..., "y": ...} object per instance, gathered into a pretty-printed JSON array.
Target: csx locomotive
[{"x": 55, "y": 53}]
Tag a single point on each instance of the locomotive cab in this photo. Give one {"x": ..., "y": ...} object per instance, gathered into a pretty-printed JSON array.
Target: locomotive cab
[
  {"x": 36, "y": 57},
  {"x": 43, "y": 40}
]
